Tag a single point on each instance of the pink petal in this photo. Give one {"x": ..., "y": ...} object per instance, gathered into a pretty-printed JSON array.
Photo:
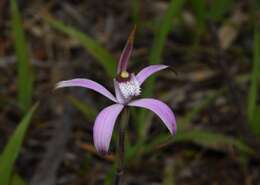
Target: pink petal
[
  {"x": 148, "y": 71},
  {"x": 160, "y": 109},
  {"x": 90, "y": 84},
  {"x": 104, "y": 126}
]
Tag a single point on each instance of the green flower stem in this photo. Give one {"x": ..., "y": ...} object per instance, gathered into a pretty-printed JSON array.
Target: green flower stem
[{"x": 121, "y": 147}]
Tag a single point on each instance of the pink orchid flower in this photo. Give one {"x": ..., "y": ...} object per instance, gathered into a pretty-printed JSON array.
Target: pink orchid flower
[{"x": 127, "y": 86}]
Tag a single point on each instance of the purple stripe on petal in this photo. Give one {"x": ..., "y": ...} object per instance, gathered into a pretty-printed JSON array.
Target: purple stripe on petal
[
  {"x": 104, "y": 125},
  {"x": 90, "y": 84},
  {"x": 160, "y": 109},
  {"x": 148, "y": 71}
]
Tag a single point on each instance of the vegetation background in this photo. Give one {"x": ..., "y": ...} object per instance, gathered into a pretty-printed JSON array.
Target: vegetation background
[{"x": 46, "y": 135}]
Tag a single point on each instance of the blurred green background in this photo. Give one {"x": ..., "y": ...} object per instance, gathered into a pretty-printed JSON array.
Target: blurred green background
[{"x": 46, "y": 135}]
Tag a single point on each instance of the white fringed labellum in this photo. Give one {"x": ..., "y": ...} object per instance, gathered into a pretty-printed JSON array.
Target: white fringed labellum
[{"x": 130, "y": 88}]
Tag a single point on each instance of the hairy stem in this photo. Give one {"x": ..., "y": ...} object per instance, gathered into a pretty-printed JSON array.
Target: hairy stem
[{"x": 121, "y": 147}]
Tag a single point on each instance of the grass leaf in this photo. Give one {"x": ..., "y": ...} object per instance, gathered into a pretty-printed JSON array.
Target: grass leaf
[
  {"x": 13, "y": 148},
  {"x": 110, "y": 176},
  {"x": 87, "y": 110},
  {"x": 255, "y": 122},
  {"x": 252, "y": 98},
  {"x": 92, "y": 46},
  {"x": 168, "y": 176},
  {"x": 136, "y": 11},
  {"x": 212, "y": 140},
  {"x": 17, "y": 180},
  {"x": 24, "y": 68},
  {"x": 201, "y": 137},
  {"x": 161, "y": 34},
  {"x": 219, "y": 8},
  {"x": 199, "y": 7}
]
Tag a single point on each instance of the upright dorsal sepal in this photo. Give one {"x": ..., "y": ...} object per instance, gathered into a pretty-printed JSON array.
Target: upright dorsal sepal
[{"x": 126, "y": 53}]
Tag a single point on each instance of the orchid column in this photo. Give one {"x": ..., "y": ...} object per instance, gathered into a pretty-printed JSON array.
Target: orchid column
[{"x": 127, "y": 87}]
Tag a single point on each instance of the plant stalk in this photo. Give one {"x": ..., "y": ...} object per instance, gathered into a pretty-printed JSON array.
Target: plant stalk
[{"x": 121, "y": 147}]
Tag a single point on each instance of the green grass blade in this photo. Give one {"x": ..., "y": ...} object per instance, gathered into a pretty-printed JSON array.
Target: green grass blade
[
  {"x": 24, "y": 68},
  {"x": 212, "y": 140},
  {"x": 87, "y": 110},
  {"x": 161, "y": 34},
  {"x": 168, "y": 175},
  {"x": 110, "y": 177},
  {"x": 255, "y": 123},
  {"x": 201, "y": 137},
  {"x": 136, "y": 11},
  {"x": 199, "y": 7},
  {"x": 219, "y": 8},
  {"x": 252, "y": 98},
  {"x": 13, "y": 147},
  {"x": 92, "y": 46},
  {"x": 17, "y": 180}
]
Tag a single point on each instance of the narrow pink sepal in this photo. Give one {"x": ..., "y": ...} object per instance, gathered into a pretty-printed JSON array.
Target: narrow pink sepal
[
  {"x": 148, "y": 71},
  {"x": 86, "y": 83},
  {"x": 104, "y": 125},
  {"x": 160, "y": 109}
]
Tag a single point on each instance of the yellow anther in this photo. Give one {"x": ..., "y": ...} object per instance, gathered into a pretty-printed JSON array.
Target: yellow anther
[{"x": 124, "y": 74}]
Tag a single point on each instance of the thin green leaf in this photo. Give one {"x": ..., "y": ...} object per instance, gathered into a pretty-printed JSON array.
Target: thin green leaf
[
  {"x": 17, "y": 180},
  {"x": 201, "y": 137},
  {"x": 199, "y": 7},
  {"x": 252, "y": 98},
  {"x": 212, "y": 140},
  {"x": 109, "y": 179},
  {"x": 161, "y": 34},
  {"x": 92, "y": 46},
  {"x": 168, "y": 178},
  {"x": 219, "y": 8},
  {"x": 24, "y": 68},
  {"x": 88, "y": 111},
  {"x": 135, "y": 11},
  {"x": 13, "y": 148},
  {"x": 255, "y": 123}
]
